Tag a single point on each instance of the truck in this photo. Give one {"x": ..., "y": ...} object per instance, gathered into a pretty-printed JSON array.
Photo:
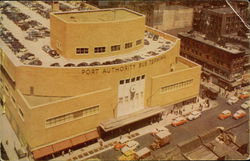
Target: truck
[
  {"x": 212, "y": 93},
  {"x": 142, "y": 154},
  {"x": 162, "y": 138}
]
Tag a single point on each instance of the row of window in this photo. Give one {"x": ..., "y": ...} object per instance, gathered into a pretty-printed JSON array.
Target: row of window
[
  {"x": 176, "y": 86},
  {"x": 72, "y": 116},
  {"x": 132, "y": 79},
  {"x": 103, "y": 49},
  {"x": 13, "y": 100}
]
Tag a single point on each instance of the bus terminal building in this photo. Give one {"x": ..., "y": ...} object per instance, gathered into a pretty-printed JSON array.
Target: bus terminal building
[{"x": 111, "y": 71}]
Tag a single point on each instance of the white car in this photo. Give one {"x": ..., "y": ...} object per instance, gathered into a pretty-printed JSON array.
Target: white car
[
  {"x": 245, "y": 105},
  {"x": 194, "y": 115},
  {"x": 239, "y": 114},
  {"x": 158, "y": 129},
  {"x": 132, "y": 144},
  {"x": 232, "y": 100}
]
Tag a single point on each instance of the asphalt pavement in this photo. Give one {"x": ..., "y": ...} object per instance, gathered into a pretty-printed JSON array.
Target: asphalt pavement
[{"x": 207, "y": 121}]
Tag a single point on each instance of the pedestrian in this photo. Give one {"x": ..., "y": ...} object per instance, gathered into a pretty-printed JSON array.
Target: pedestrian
[
  {"x": 63, "y": 153},
  {"x": 7, "y": 142},
  {"x": 69, "y": 151},
  {"x": 101, "y": 143}
]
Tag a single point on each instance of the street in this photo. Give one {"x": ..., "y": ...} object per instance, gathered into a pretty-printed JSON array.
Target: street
[{"x": 207, "y": 121}]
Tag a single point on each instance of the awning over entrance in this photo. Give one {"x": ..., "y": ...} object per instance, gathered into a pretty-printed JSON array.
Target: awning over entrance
[
  {"x": 48, "y": 150},
  {"x": 130, "y": 118},
  {"x": 43, "y": 152},
  {"x": 78, "y": 140},
  {"x": 62, "y": 145}
]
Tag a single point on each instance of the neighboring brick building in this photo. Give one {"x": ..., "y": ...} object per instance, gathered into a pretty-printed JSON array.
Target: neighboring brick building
[{"x": 223, "y": 64}]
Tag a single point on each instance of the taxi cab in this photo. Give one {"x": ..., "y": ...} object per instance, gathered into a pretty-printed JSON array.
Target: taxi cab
[
  {"x": 179, "y": 121},
  {"x": 224, "y": 114},
  {"x": 239, "y": 114}
]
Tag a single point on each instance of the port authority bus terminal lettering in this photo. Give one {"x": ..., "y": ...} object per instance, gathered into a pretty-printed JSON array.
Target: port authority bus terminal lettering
[{"x": 109, "y": 70}]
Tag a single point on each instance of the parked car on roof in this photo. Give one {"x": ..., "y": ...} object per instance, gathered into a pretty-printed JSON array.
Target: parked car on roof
[
  {"x": 46, "y": 48},
  {"x": 224, "y": 114},
  {"x": 194, "y": 115},
  {"x": 244, "y": 95},
  {"x": 239, "y": 114},
  {"x": 54, "y": 54},
  {"x": 179, "y": 121},
  {"x": 232, "y": 100},
  {"x": 245, "y": 105}
]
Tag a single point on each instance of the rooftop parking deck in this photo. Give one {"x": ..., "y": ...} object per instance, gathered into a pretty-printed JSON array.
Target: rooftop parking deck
[{"x": 36, "y": 50}]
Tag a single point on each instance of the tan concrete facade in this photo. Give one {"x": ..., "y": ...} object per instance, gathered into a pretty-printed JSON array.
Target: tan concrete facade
[
  {"x": 169, "y": 79},
  {"x": 112, "y": 29}
]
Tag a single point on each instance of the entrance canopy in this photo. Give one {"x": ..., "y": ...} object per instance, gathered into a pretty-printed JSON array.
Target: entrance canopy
[
  {"x": 48, "y": 150},
  {"x": 130, "y": 118}
]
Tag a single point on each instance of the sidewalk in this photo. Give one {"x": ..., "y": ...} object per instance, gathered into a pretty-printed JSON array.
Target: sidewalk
[
  {"x": 167, "y": 118},
  {"x": 224, "y": 93},
  {"x": 9, "y": 138}
]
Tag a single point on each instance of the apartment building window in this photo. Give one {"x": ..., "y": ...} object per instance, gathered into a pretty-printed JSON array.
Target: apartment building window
[
  {"x": 82, "y": 50},
  {"x": 121, "y": 81},
  {"x": 6, "y": 88},
  {"x": 13, "y": 99},
  {"x": 99, "y": 49},
  {"x": 115, "y": 48},
  {"x": 138, "y": 42},
  {"x": 58, "y": 120},
  {"x": 20, "y": 112},
  {"x": 176, "y": 86},
  {"x": 31, "y": 90},
  {"x": 128, "y": 45}
]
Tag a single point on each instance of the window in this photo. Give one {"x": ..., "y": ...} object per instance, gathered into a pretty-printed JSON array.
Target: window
[
  {"x": 82, "y": 50},
  {"x": 127, "y": 80},
  {"x": 31, "y": 90},
  {"x": 143, "y": 76},
  {"x": 121, "y": 81},
  {"x": 138, "y": 42},
  {"x": 71, "y": 116},
  {"x": 20, "y": 112},
  {"x": 177, "y": 86},
  {"x": 13, "y": 99},
  {"x": 99, "y": 49},
  {"x": 6, "y": 88},
  {"x": 128, "y": 45},
  {"x": 133, "y": 79},
  {"x": 115, "y": 48},
  {"x": 138, "y": 78}
]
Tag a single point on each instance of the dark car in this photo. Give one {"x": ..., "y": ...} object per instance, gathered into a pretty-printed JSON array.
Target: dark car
[
  {"x": 95, "y": 63},
  {"x": 69, "y": 65},
  {"x": 82, "y": 64},
  {"x": 54, "y": 54},
  {"x": 55, "y": 65},
  {"x": 36, "y": 62}
]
